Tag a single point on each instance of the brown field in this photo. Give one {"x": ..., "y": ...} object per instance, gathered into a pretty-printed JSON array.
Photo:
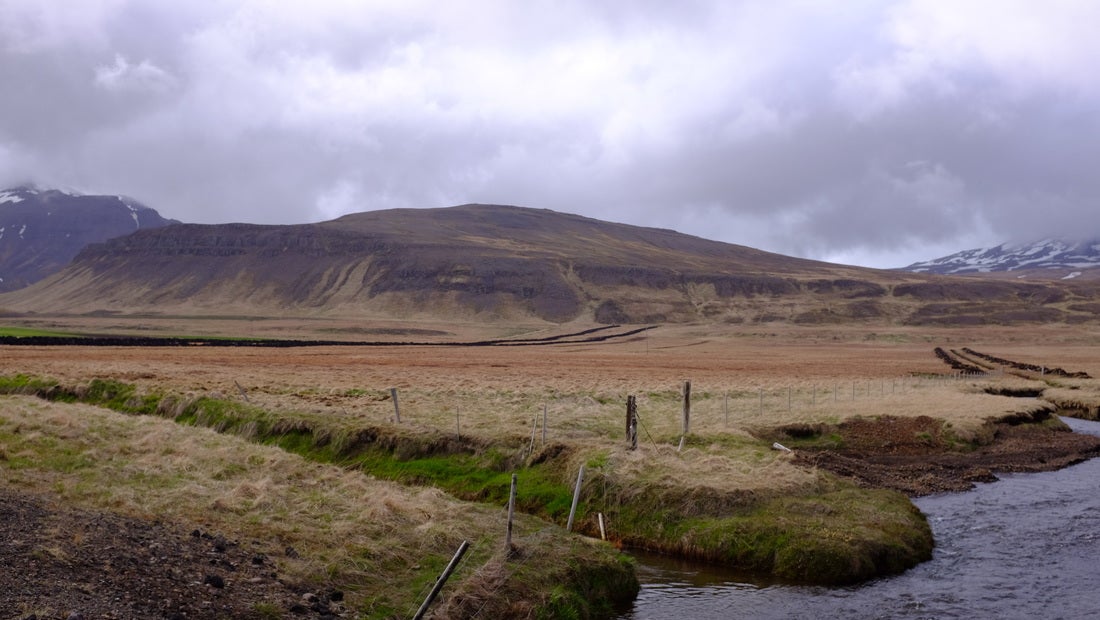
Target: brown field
[
  {"x": 803, "y": 375},
  {"x": 744, "y": 380}
]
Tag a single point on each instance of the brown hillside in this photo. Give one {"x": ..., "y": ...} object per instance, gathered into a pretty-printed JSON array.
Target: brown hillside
[{"x": 491, "y": 262}]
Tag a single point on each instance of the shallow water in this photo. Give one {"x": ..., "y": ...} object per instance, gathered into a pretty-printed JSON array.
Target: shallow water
[{"x": 1027, "y": 546}]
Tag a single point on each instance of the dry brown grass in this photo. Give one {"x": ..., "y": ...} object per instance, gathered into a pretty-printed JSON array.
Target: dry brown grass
[
  {"x": 804, "y": 375},
  {"x": 380, "y": 539}
]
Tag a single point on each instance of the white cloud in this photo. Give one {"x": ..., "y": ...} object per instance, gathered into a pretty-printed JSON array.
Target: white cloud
[{"x": 123, "y": 76}]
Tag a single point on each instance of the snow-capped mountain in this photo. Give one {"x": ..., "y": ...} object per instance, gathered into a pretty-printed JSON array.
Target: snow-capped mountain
[
  {"x": 41, "y": 230},
  {"x": 1054, "y": 257}
]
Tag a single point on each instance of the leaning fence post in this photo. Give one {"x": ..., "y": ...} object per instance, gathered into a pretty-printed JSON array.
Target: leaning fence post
[
  {"x": 576, "y": 498},
  {"x": 544, "y": 424},
  {"x": 442, "y": 580},
  {"x": 511, "y": 515},
  {"x": 396, "y": 407},
  {"x": 240, "y": 389}
]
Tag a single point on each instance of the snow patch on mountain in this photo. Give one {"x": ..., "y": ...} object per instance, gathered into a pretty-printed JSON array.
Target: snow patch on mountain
[
  {"x": 9, "y": 196},
  {"x": 1042, "y": 254}
]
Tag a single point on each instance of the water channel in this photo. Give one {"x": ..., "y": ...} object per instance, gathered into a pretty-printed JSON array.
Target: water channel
[{"x": 1026, "y": 546}]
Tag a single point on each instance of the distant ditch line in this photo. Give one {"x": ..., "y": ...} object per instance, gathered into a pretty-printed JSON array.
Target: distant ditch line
[{"x": 587, "y": 336}]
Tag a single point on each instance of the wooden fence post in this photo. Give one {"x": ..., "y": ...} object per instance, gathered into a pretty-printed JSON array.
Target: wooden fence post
[
  {"x": 544, "y": 424},
  {"x": 396, "y": 407},
  {"x": 511, "y": 515},
  {"x": 534, "y": 426},
  {"x": 442, "y": 580},
  {"x": 576, "y": 498},
  {"x": 687, "y": 406},
  {"x": 632, "y": 421},
  {"x": 240, "y": 389}
]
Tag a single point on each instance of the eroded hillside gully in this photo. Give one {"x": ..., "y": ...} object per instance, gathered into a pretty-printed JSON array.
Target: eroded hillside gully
[{"x": 855, "y": 525}]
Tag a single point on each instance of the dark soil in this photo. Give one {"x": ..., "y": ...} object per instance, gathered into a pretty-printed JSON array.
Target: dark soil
[
  {"x": 66, "y": 563},
  {"x": 913, "y": 455}
]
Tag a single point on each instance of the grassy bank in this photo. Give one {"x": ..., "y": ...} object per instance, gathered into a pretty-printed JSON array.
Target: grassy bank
[
  {"x": 382, "y": 543},
  {"x": 725, "y": 498}
]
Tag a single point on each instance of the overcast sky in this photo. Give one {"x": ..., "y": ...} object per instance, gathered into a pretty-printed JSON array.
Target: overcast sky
[{"x": 872, "y": 133}]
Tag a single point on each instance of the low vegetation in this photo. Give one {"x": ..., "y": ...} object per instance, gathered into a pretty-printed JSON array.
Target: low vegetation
[
  {"x": 720, "y": 493},
  {"x": 381, "y": 542},
  {"x": 731, "y": 500}
]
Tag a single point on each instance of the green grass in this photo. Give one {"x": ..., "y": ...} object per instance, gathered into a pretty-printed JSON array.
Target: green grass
[{"x": 28, "y": 332}]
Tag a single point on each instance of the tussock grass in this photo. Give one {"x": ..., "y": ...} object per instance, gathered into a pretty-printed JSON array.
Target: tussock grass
[{"x": 382, "y": 542}]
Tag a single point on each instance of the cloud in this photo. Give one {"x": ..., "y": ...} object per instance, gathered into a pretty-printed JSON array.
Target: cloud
[
  {"x": 122, "y": 76},
  {"x": 870, "y": 131}
]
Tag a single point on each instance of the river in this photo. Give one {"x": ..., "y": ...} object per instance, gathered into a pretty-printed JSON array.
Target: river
[{"x": 1026, "y": 546}]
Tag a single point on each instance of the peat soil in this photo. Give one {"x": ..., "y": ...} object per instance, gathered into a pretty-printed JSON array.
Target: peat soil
[
  {"x": 913, "y": 456},
  {"x": 60, "y": 562}
]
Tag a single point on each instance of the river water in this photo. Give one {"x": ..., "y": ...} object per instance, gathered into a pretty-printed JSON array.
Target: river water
[{"x": 1027, "y": 546}]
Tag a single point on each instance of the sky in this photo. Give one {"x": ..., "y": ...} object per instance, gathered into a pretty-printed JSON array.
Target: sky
[{"x": 858, "y": 132}]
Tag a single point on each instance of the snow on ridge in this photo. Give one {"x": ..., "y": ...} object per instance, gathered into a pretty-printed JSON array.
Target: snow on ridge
[
  {"x": 1048, "y": 253},
  {"x": 1072, "y": 275},
  {"x": 9, "y": 196}
]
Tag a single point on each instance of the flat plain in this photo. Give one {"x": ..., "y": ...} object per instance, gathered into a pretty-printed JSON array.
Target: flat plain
[{"x": 746, "y": 382}]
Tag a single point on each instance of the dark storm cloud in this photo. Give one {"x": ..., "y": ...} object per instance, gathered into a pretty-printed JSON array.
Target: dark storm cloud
[{"x": 869, "y": 132}]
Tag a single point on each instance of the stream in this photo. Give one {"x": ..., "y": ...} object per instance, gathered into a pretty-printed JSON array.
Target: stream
[{"x": 1023, "y": 547}]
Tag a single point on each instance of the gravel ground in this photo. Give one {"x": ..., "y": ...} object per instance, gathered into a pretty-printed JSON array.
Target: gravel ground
[{"x": 60, "y": 562}]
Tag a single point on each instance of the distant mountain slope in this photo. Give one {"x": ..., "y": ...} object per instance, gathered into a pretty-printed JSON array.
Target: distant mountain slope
[
  {"x": 42, "y": 230},
  {"x": 1047, "y": 258},
  {"x": 503, "y": 263}
]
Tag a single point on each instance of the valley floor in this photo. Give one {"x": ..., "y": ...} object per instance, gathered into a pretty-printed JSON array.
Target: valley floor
[{"x": 875, "y": 407}]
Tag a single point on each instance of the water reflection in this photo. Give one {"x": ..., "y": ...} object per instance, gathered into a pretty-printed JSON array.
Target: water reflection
[{"x": 1023, "y": 547}]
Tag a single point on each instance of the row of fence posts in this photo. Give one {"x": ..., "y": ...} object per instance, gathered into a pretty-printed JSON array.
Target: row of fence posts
[
  {"x": 686, "y": 409},
  {"x": 632, "y": 424},
  {"x": 631, "y": 435}
]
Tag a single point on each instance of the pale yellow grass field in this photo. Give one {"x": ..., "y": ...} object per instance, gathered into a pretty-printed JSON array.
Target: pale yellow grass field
[{"x": 804, "y": 376}]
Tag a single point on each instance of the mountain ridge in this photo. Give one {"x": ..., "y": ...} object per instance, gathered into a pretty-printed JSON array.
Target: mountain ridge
[
  {"x": 41, "y": 230},
  {"x": 1048, "y": 258},
  {"x": 501, "y": 263}
]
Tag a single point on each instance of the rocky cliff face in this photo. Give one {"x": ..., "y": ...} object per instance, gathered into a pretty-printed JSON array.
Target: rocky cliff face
[{"x": 42, "y": 230}]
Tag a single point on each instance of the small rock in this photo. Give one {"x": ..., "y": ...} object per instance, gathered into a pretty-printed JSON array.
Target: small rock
[
  {"x": 214, "y": 580},
  {"x": 292, "y": 553},
  {"x": 336, "y": 596},
  {"x": 76, "y": 615},
  {"x": 258, "y": 559},
  {"x": 220, "y": 544},
  {"x": 310, "y": 597},
  {"x": 196, "y": 533}
]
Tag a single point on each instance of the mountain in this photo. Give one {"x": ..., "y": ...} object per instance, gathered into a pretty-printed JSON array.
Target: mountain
[
  {"x": 42, "y": 230},
  {"x": 1046, "y": 259},
  {"x": 505, "y": 263}
]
